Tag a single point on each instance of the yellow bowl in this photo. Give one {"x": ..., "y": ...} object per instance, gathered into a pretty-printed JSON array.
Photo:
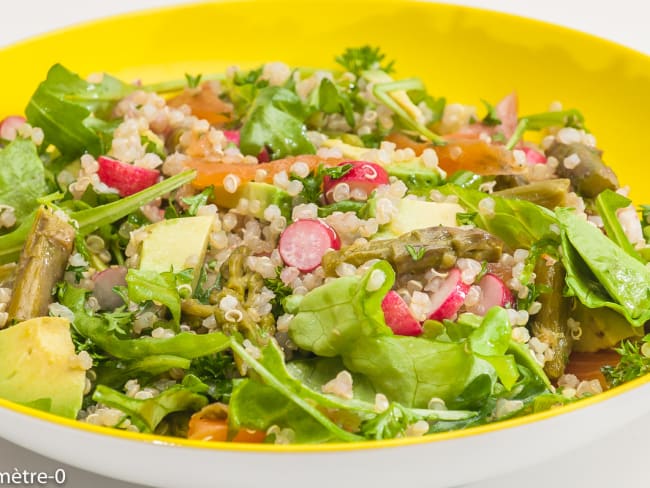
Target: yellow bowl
[{"x": 461, "y": 53}]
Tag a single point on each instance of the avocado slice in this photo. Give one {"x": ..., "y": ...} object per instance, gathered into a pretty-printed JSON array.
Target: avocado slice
[
  {"x": 176, "y": 244},
  {"x": 417, "y": 214},
  {"x": 39, "y": 368},
  {"x": 264, "y": 193}
]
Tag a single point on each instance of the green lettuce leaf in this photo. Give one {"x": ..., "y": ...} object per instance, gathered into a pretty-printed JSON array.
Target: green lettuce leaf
[
  {"x": 607, "y": 203},
  {"x": 144, "y": 285}
]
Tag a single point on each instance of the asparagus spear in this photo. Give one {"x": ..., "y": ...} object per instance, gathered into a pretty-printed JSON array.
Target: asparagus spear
[
  {"x": 41, "y": 265},
  {"x": 547, "y": 193},
  {"x": 590, "y": 176},
  {"x": 550, "y": 324},
  {"x": 437, "y": 247}
]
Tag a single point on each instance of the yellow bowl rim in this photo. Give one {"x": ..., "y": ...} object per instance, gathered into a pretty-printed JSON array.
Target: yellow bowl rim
[{"x": 489, "y": 428}]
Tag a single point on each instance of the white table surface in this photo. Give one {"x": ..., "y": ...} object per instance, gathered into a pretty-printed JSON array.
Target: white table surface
[{"x": 618, "y": 460}]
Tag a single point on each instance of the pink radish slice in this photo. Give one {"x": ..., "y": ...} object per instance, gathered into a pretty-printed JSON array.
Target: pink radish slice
[
  {"x": 449, "y": 297},
  {"x": 494, "y": 293},
  {"x": 363, "y": 176},
  {"x": 234, "y": 136},
  {"x": 398, "y": 316},
  {"x": 506, "y": 111},
  {"x": 125, "y": 178},
  {"x": 533, "y": 156},
  {"x": 9, "y": 127},
  {"x": 104, "y": 281},
  {"x": 304, "y": 243}
]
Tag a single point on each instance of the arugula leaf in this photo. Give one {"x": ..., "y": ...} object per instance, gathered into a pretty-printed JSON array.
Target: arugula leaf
[
  {"x": 147, "y": 414},
  {"x": 73, "y": 113},
  {"x": 635, "y": 362},
  {"x": 607, "y": 203},
  {"x": 275, "y": 119},
  {"x": 93, "y": 327},
  {"x": 115, "y": 373},
  {"x": 359, "y": 59},
  {"x": 22, "y": 178},
  {"x": 491, "y": 118},
  {"x": 312, "y": 185},
  {"x": 600, "y": 273},
  {"x": 561, "y": 118}
]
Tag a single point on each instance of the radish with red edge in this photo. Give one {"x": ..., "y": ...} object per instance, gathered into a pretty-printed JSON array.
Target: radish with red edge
[
  {"x": 448, "y": 299},
  {"x": 398, "y": 316},
  {"x": 363, "y": 177},
  {"x": 533, "y": 156},
  {"x": 104, "y": 282},
  {"x": 234, "y": 136},
  {"x": 494, "y": 293},
  {"x": 304, "y": 243},
  {"x": 127, "y": 179},
  {"x": 9, "y": 127}
]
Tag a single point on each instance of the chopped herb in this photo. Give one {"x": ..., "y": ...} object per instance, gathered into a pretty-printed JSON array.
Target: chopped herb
[
  {"x": 466, "y": 218},
  {"x": 193, "y": 81},
  {"x": 198, "y": 200},
  {"x": 491, "y": 118},
  {"x": 635, "y": 362},
  {"x": 359, "y": 59},
  {"x": 416, "y": 252},
  {"x": 277, "y": 286},
  {"x": 498, "y": 137},
  {"x": 312, "y": 185}
]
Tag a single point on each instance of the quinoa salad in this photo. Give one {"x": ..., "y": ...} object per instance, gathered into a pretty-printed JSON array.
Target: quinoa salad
[{"x": 296, "y": 255}]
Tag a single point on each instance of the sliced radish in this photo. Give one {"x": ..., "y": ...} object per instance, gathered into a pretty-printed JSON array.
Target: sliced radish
[
  {"x": 104, "y": 281},
  {"x": 398, "y": 316},
  {"x": 533, "y": 156},
  {"x": 506, "y": 111},
  {"x": 125, "y": 178},
  {"x": 364, "y": 177},
  {"x": 234, "y": 136},
  {"x": 448, "y": 299},
  {"x": 494, "y": 293},
  {"x": 9, "y": 127},
  {"x": 304, "y": 243}
]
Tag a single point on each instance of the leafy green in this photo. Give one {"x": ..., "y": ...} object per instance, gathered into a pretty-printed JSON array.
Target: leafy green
[
  {"x": 356, "y": 60},
  {"x": 116, "y": 373},
  {"x": 312, "y": 184},
  {"x": 93, "y": 327},
  {"x": 516, "y": 136},
  {"x": 198, "y": 200},
  {"x": 216, "y": 371},
  {"x": 22, "y": 178},
  {"x": 275, "y": 119},
  {"x": 147, "y": 414},
  {"x": 600, "y": 273},
  {"x": 330, "y": 99},
  {"x": 73, "y": 113},
  {"x": 491, "y": 118},
  {"x": 342, "y": 318},
  {"x": 634, "y": 362},
  {"x": 561, "y": 118},
  {"x": 342, "y": 206},
  {"x": 517, "y": 222},
  {"x": 193, "y": 81},
  {"x": 607, "y": 203},
  {"x": 144, "y": 285},
  {"x": 280, "y": 290}
]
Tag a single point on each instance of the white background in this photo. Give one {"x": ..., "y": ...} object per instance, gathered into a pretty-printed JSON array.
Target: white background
[{"x": 618, "y": 460}]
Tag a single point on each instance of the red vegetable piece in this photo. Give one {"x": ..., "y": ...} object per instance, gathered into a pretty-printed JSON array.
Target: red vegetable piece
[
  {"x": 363, "y": 176},
  {"x": 9, "y": 127},
  {"x": 398, "y": 316},
  {"x": 304, "y": 243},
  {"x": 533, "y": 156},
  {"x": 448, "y": 299},
  {"x": 125, "y": 178},
  {"x": 494, "y": 293}
]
